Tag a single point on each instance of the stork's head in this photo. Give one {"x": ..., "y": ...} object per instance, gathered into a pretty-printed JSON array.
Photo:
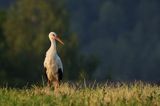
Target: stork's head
[{"x": 53, "y": 36}]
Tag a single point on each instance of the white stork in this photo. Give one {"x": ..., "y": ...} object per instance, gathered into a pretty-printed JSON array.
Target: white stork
[{"x": 52, "y": 63}]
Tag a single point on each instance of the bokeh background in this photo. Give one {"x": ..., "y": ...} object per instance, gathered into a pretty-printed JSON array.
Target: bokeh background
[{"x": 105, "y": 40}]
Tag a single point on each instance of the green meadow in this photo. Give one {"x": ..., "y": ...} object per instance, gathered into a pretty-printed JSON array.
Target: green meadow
[{"x": 119, "y": 94}]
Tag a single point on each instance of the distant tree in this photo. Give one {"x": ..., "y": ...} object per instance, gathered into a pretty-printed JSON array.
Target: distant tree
[{"x": 26, "y": 31}]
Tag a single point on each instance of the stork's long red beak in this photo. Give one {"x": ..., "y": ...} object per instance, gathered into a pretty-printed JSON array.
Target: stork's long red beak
[{"x": 59, "y": 40}]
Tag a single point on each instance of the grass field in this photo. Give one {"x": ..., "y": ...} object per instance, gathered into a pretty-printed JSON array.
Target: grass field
[{"x": 120, "y": 94}]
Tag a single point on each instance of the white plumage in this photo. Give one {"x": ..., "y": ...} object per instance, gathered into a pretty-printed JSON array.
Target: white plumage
[{"x": 52, "y": 63}]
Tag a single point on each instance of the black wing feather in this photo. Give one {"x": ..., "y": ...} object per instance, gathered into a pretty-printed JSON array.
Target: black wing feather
[
  {"x": 45, "y": 74},
  {"x": 60, "y": 74}
]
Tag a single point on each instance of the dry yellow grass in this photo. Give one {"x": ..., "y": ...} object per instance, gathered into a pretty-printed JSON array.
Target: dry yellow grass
[{"x": 121, "y": 94}]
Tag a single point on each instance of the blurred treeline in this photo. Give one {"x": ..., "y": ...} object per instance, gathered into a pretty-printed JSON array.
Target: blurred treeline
[
  {"x": 24, "y": 29},
  {"x": 104, "y": 39},
  {"x": 124, "y": 34}
]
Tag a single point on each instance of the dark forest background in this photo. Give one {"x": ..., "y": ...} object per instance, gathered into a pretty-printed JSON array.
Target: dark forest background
[{"x": 115, "y": 40}]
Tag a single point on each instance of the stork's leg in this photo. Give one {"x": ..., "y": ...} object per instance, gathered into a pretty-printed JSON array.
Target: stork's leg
[
  {"x": 56, "y": 86},
  {"x": 49, "y": 83}
]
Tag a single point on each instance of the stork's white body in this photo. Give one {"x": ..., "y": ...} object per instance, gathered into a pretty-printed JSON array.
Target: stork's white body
[{"x": 53, "y": 63}]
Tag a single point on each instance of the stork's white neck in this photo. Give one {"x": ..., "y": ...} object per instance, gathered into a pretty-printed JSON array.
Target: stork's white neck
[{"x": 53, "y": 46}]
